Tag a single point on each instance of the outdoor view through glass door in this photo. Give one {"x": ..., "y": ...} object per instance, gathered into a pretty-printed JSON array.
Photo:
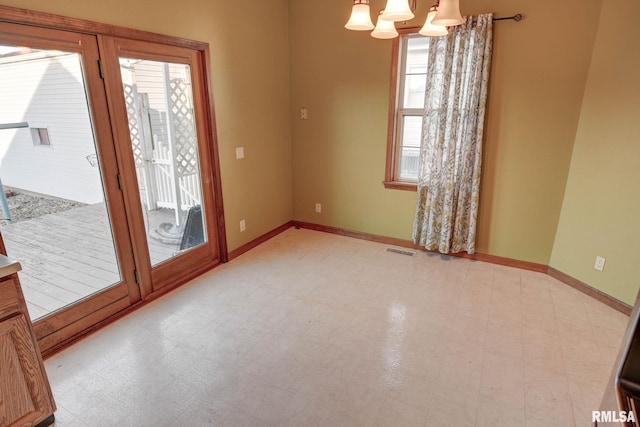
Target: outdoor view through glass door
[
  {"x": 55, "y": 220},
  {"x": 160, "y": 109}
]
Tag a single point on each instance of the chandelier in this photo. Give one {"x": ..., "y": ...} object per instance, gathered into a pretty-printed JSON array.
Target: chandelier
[{"x": 443, "y": 14}]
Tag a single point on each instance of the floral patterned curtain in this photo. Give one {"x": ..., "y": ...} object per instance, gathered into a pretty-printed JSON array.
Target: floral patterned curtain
[{"x": 451, "y": 148}]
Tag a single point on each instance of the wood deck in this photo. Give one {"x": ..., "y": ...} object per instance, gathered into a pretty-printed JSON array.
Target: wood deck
[{"x": 69, "y": 255}]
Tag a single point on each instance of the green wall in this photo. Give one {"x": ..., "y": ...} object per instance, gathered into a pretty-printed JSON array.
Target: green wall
[
  {"x": 343, "y": 78},
  {"x": 339, "y": 152},
  {"x": 250, "y": 78},
  {"x": 602, "y": 199}
]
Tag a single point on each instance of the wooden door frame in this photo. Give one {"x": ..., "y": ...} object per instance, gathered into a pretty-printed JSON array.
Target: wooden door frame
[
  {"x": 50, "y": 339},
  {"x": 197, "y": 259}
]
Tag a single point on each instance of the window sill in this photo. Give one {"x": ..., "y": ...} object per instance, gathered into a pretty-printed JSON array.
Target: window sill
[{"x": 401, "y": 185}]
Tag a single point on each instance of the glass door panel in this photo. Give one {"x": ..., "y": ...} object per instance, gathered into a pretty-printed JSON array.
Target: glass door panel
[
  {"x": 162, "y": 127},
  {"x": 55, "y": 219},
  {"x": 60, "y": 202}
]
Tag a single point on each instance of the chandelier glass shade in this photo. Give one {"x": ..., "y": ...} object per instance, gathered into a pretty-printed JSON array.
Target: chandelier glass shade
[
  {"x": 448, "y": 14},
  {"x": 397, "y": 10},
  {"x": 443, "y": 14},
  {"x": 429, "y": 29},
  {"x": 360, "y": 19},
  {"x": 385, "y": 29}
]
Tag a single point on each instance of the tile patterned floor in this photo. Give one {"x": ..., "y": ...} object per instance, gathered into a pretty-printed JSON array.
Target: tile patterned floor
[{"x": 313, "y": 329}]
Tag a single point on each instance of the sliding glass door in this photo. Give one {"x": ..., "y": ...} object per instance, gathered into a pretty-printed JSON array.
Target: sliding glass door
[
  {"x": 56, "y": 222},
  {"x": 107, "y": 173},
  {"x": 171, "y": 193},
  {"x": 164, "y": 142},
  {"x": 61, "y": 204}
]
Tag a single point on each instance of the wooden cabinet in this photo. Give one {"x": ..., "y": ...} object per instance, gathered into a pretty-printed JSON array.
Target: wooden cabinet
[{"x": 25, "y": 394}]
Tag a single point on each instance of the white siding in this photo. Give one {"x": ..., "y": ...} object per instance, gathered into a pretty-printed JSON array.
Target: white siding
[{"x": 47, "y": 92}]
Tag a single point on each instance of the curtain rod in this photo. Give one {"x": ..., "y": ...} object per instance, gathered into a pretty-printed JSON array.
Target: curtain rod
[{"x": 517, "y": 17}]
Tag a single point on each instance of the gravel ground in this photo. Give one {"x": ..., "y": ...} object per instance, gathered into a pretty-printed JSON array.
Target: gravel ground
[{"x": 24, "y": 205}]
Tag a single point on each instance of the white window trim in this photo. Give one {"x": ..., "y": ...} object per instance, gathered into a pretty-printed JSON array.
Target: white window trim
[{"x": 396, "y": 115}]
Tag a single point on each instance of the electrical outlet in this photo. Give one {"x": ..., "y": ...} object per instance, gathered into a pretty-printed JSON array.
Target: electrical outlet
[
  {"x": 243, "y": 225},
  {"x": 599, "y": 265},
  {"x": 318, "y": 208},
  {"x": 239, "y": 152},
  {"x": 304, "y": 114}
]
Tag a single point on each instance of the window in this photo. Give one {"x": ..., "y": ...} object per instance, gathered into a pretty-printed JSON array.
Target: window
[
  {"x": 40, "y": 136},
  {"x": 409, "y": 75}
]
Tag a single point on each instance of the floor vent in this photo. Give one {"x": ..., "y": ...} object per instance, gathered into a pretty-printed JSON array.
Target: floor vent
[{"x": 401, "y": 252}]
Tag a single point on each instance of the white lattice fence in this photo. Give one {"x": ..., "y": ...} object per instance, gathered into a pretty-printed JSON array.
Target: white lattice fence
[
  {"x": 136, "y": 132},
  {"x": 185, "y": 143},
  {"x": 164, "y": 171}
]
